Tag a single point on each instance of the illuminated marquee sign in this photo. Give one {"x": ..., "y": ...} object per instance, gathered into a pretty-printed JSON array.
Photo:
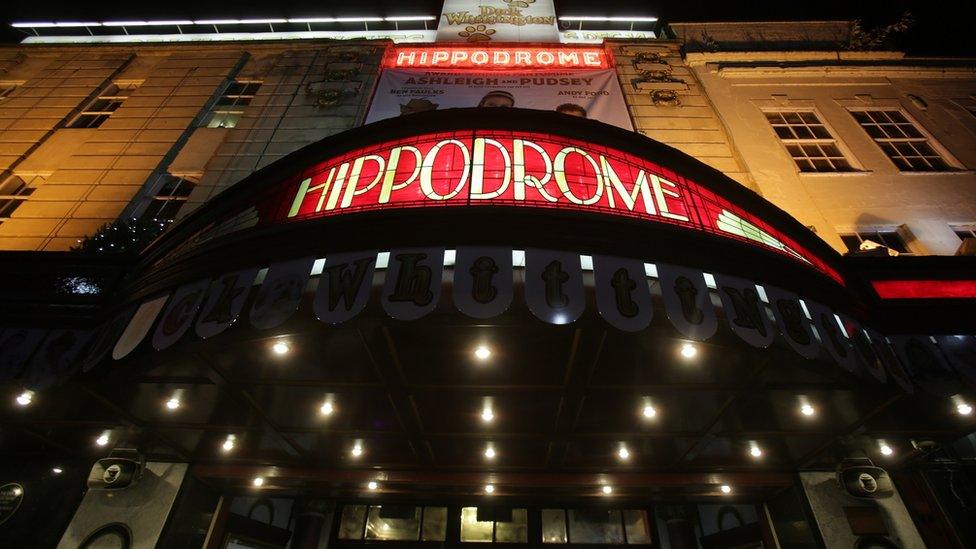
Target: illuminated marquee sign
[
  {"x": 496, "y": 57},
  {"x": 523, "y": 169}
]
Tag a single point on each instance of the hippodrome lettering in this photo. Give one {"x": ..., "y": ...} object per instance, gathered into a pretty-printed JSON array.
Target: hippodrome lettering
[
  {"x": 458, "y": 57},
  {"x": 402, "y": 172},
  {"x": 505, "y": 168}
]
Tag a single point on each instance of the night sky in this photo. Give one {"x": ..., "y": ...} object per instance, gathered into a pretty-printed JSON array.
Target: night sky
[{"x": 942, "y": 27}]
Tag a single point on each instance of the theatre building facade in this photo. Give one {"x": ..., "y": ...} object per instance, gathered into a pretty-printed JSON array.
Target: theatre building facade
[{"x": 491, "y": 276}]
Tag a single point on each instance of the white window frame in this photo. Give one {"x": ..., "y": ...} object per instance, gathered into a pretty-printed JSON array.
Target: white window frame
[
  {"x": 111, "y": 92},
  {"x": 963, "y": 227},
  {"x": 865, "y": 231},
  {"x": 947, "y": 157},
  {"x": 235, "y": 111},
  {"x": 845, "y": 152}
]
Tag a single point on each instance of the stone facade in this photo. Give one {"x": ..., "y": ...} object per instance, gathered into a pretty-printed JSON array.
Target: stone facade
[{"x": 704, "y": 94}]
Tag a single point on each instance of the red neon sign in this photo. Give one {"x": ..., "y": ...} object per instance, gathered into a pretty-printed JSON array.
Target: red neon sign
[
  {"x": 925, "y": 289},
  {"x": 496, "y": 57},
  {"x": 475, "y": 168}
]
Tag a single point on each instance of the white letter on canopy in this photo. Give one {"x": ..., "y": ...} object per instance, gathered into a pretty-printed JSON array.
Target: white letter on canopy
[
  {"x": 391, "y": 168},
  {"x": 521, "y": 179},
  {"x": 357, "y": 170},
  {"x": 426, "y": 172},
  {"x": 560, "y": 165},
  {"x": 478, "y": 173}
]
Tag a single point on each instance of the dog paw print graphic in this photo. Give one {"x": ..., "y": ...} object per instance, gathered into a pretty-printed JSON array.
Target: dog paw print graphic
[{"x": 476, "y": 33}]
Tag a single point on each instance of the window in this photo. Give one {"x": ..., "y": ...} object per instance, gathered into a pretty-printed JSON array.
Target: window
[
  {"x": 886, "y": 237},
  {"x": 901, "y": 140},
  {"x": 99, "y": 110},
  {"x": 808, "y": 141},
  {"x": 393, "y": 523},
  {"x": 229, "y": 108},
  {"x": 964, "y": 231},
  {"x": 13, "y": 192},
  {"x": 170, "y": 198},
  {"x": 494, "y": 524},
  {"x": 596, "y": 526}
]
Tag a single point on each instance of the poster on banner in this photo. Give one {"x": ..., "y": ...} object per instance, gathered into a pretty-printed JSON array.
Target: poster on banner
[
  {"x": 588, "y": 94},
  {"x": 480, "y": 21}
]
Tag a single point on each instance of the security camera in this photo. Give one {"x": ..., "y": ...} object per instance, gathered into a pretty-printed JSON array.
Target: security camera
[
  {"x": 861, "y": 479},
  {"x": 121, "y": 469}
]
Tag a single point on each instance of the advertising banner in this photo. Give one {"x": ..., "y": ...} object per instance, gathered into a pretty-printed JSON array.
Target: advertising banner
[
  {"x": 593, "y": 94},
  {"x": 498, "y": 21}
]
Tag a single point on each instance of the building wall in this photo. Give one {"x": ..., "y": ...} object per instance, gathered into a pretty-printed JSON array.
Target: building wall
[
  {"x": 84, "y": 178},
  {"x": 309, "y": 90},
  {"x": 921, "y": 205},
  {"x": 691, "y": 126}
]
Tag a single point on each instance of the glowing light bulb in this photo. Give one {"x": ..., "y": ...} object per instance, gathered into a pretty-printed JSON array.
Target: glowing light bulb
[
  {"x": 725, "y": 488},
  {"x": 885, "y": 449},
  {"x": 807, "y": 409},
  {"x": 258, "y": 481},
  {"x": 490, "y": 452},
  {"x": 623, "y": 453},
  {"x": 489, "y": 488},
  {"x": 487, "y": 415},
  {"x": 280, "y": 348},
  {"x": 327, "y": 408},
  {"x": 372, "y": 485},
  {"x": 57, "y": 470},
  {"x": 964, "y": 409},
  {"x": 173, "y": 403},
  {"x": 607, "y": 490},
  {"x": 357, "y": 450},
  {"x": 482, "y": 352},
  {"x": 688, "y": 350},
  {"x": 755, "y": 451},
  {"x": 102, "y": 439},
  {"x": 25, "y": 398},
  {"x": 649, "y": 411},
  {"x": 229, "y": 443}
]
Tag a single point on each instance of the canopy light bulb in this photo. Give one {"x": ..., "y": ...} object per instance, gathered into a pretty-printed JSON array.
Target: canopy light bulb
[
  {"x": 649, "y": 412},
  {"x": 102, "y": 439},
  {"x": 280, "y": 348},
  {"x": 688, "y": 350},
  {"x": 607, "y": 490},
  {"x": 482, "y": 352},
  {"x": 755, "y": 451},
  {"x": 807, "y": 410},
  {"x": 885, "y": 449},
  {"x": 489, "y": 488},
  {"x": 173, "y": 403},
  {"x": 725, "y": 488},
  {"x": 229, "y": 443},
  {"x": 964, "y": 409},
  {"x": 25, "y": 398},
  {"x": 258, "y": 481},
  {"x": 372, "y": 485},
  {"x": 487, "y": 415},
  {"x": 327, "y": 408},
  {"x": 623, "y": 453},
  {"x": 357, "y": 450},
  {"x": 490, "y": 452},
  {"x": 57, "y": 470}
]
